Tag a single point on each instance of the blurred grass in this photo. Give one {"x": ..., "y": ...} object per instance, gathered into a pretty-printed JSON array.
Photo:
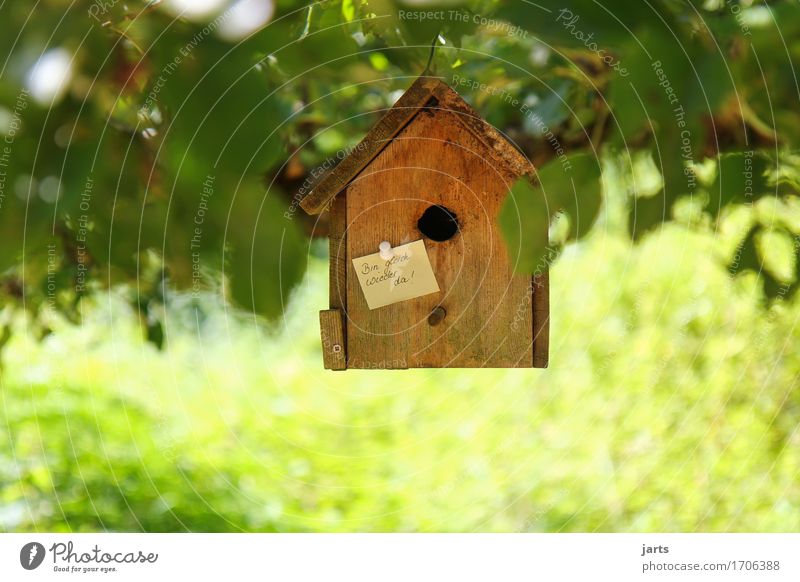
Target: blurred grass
[{"x": 671, "y": 404}]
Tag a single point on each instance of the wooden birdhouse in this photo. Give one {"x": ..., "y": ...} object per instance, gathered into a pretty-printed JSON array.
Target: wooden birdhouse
[{"x": 419, "y": 274}]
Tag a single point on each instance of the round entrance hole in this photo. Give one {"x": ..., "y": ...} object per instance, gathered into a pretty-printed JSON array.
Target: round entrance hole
[{"x": 438, "y": 223}]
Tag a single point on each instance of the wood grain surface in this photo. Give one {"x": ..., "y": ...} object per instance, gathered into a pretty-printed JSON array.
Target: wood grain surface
[
  {"x": 438, "y": 159},
  {"x": 331, "y": 323}
]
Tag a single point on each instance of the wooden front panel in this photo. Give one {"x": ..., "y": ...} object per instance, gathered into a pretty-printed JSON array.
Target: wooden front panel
[{"x": 488, "y": 322}]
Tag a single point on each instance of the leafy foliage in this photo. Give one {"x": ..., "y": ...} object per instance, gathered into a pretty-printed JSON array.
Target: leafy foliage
[
  {"x": 105, "y": 175},
  {"x": 686, "y": 84},
  {"x": 571, "y": 188},
  {"x": 170, "y": 158},
  {"x": 671, "y": 406}
]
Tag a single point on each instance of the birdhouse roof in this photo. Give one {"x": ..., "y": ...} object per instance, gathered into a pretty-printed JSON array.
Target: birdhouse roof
[{"x": 430, "y": 92}]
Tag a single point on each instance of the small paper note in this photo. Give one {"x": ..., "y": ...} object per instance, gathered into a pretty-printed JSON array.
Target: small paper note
[{"x": 406, "y": 275}]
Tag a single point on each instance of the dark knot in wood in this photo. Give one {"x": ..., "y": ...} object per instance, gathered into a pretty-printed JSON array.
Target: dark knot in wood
[{"x": 437, "y": 316}]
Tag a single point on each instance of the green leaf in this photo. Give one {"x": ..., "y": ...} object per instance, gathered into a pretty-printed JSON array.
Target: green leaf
[
  {"x": 553, "y": 109},
  {"x": 745, "y": 258},
  {"x": 524, "y": 220},
  {"x": 580, "y": 188},
  {"x": 647, "y": 214},
  {"x": 571, "y": 185},
  {"x": 574, "y": 24},
  {"x": 741, "y": 177},
  {"x": 267, "y": 256}
]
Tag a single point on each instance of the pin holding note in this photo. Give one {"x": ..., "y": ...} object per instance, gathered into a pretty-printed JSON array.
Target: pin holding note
[
  {"x": 385, "y": 250},
  {"x": 395, "y": 274}
]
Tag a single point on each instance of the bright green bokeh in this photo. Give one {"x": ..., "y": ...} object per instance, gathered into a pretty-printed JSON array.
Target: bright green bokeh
[{"x": 671, "y": 404}]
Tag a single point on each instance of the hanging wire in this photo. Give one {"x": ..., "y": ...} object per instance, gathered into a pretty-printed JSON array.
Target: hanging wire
[{"x": 433, "y": 49}]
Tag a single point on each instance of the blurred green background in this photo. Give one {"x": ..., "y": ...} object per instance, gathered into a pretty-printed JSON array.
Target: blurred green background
[
  {"x": 671, "y": 404},
  {"x": 154, "y": 382}
]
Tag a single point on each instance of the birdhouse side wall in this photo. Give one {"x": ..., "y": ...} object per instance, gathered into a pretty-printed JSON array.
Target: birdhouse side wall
[
  {"x": 437, "y": 161},
  {"x": 332, "y": 321}
]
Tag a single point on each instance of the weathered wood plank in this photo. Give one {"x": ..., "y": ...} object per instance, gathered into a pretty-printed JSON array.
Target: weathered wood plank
[
  {"x": 430, "y": 148},
  {"x": 541, "y": 320},
  {"x": 497, "y": 145},
  {"x": 376, "y": 139},
  {"x": 337, "y": 244},
  {"x": 334, "y": 348},
  {"x": 488, "y": 321}
]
